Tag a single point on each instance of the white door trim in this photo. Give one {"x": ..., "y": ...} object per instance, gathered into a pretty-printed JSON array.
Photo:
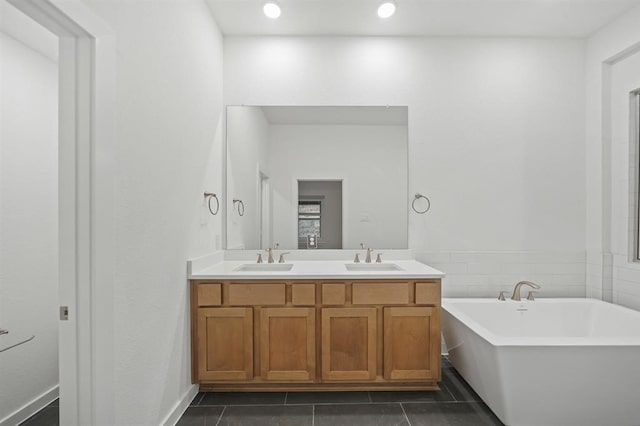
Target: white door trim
[{"x": 86, "y": 206}]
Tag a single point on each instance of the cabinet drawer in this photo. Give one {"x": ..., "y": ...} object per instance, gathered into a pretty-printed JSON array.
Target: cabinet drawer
[
  {"x": 380, "y": 293},
  {"x": 428, "y": 293},
  {"x": 209, "y": 294},
  {"x": 257, "y": 294},
  {"x": 333, "y": 294},
  {"x": 303, "y": 294}
]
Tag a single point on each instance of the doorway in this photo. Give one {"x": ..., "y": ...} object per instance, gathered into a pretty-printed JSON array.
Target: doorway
[
  {"x": 28, "y": 216},
  {"x": 264, "y": 211},
  {"x": 320, "y": 214},
  {"x": 86, "y": 168}
]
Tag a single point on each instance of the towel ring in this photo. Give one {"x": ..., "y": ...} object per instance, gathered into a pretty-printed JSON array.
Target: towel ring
[
  {"x": 240, "y": 206},
  {"x": 209, "y": 196},
  {"x": 413, "y": 203}
]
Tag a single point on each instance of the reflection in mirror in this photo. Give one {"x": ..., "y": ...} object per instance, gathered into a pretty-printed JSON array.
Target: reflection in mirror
[
  {"x": 319, "y": 214},
  {"x": 317, "y": 177}
]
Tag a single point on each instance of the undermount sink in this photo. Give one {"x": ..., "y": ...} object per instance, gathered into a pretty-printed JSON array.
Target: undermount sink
[
  {"x": 359, "y": 267},
  {"x": 264, "y": 267}
]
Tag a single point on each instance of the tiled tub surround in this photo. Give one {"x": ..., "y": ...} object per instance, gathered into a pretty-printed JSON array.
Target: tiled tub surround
[
  {"x": 548, "y": 362},
  {"x": 486, "y": 273},
  {"x": 613, "y": 278}
]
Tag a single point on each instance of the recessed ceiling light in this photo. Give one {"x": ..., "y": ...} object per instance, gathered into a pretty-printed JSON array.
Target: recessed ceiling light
[
  {"x": 386, "y": 9},
  {"x": 271, "y": 9}
]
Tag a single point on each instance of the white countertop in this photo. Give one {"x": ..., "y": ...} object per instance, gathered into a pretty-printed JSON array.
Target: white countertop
[{"x": 315, "y": 269}]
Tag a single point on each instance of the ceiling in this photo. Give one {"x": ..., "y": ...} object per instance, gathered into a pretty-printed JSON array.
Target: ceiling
[
  {"x": 351, "y": 115},
  {"x": 19, "y": 26},
  {"x": 519, "y": 18}
]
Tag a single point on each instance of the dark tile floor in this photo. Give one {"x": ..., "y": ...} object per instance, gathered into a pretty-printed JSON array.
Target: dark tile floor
[
  {"x": 455, "y": 404},
  {"x": 48, "y": 416}
]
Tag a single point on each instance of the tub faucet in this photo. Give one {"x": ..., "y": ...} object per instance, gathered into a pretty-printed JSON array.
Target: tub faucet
[{"x": 516, "y": 290}]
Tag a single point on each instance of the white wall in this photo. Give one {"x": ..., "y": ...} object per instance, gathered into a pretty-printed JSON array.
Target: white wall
[
  {"x": 496, "y": 140},
  {"x": 612, "y": 68},
  {"x": 169, "y": 118},
  {"x": 28, "y": 227},
  {"x": 370, "y": 159},
  {"x": 248, "y": 136}
]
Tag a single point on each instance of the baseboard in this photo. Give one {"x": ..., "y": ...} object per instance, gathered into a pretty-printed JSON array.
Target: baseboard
[
  {"x": 30, "y": 408},
  {"x": 180, "y": 407}
]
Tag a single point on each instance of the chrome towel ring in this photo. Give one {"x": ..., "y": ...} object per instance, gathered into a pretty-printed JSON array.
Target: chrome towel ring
[
  {"x": 413, "y": 203},
  {"x": 209, "y": 196},
  {"x": 239, "y": 207}
]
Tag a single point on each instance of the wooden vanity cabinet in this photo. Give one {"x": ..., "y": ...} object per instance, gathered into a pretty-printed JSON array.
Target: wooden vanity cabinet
[
  {"x": 316, "y": 335},
  {"x": 225, "y": 343},
  {"x": 411, "y": 343},
  {"x": 349, "y": 342},
  {"x": 288, "y": 344}
]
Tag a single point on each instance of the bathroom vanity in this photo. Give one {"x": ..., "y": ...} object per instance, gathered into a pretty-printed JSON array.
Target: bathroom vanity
[
  {"x": 321, "y": 320},
  {"x": 317, "y": 326}
]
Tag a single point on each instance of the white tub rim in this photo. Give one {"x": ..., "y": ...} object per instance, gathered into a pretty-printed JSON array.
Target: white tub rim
[{"x": 448, "y": 305}]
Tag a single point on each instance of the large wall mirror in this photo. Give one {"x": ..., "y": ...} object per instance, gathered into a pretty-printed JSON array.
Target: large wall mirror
[{"x": 309, "y": 177}]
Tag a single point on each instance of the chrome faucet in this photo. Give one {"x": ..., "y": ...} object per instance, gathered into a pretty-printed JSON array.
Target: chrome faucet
[
  {"x": 281, "y": 260},
  {"x": 270, "y": 251},
  {"x": 516, "y": 290},
  {"x": 368, "y": 258}
]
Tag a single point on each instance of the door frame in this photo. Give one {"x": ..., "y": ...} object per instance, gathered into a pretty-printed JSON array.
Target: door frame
[
  {"x": 264, "y": 209},
  {"x": 86, "y": 169},
  {"x": 295, "y": 198}
]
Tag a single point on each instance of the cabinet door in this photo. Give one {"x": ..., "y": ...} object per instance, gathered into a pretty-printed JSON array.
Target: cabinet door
[
  {"x": 412, "y": 343},
  {"x": 288, "y": 343},
  {"x": 349, "y": 343},
  {"x": 225, "y": 343}
]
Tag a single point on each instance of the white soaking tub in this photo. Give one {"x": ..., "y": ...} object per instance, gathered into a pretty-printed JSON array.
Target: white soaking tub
[{"x": 550, "y": 361}]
